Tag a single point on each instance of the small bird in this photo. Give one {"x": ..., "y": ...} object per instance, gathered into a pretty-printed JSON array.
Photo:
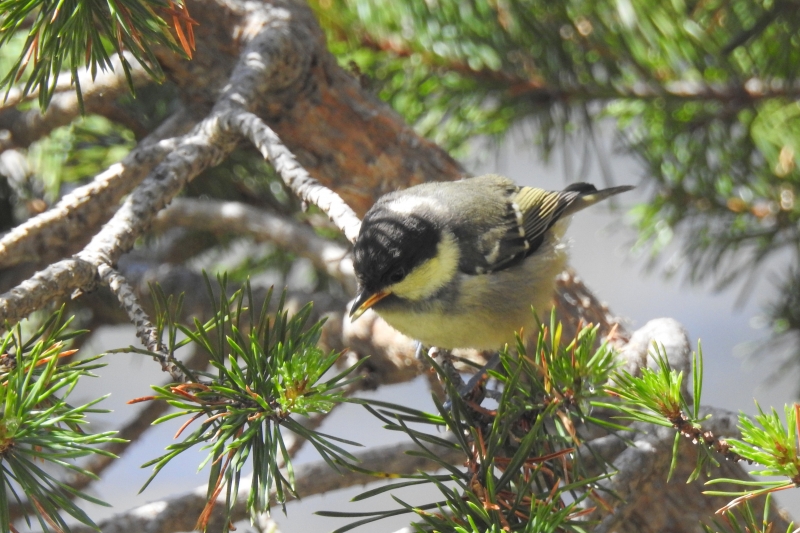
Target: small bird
[{"x": 460, "y": 264}]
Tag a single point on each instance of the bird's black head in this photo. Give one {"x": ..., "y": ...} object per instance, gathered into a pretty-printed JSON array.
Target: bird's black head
[{"x": 390, "y": 246}]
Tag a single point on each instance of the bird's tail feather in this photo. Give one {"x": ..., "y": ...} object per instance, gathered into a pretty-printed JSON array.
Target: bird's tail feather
[{"x": 591, "y": 198}]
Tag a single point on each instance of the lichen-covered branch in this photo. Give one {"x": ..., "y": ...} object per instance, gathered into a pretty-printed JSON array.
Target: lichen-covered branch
[
  {"x": 204, "y": 146},
  {"x": 145, "y": 329},
  {"x": 269, "y": 62},
  {"x": 343, "y": 135},
  {"x": 241, "y": 219},
  {"x": 51, "y": 284},
  {"x": 295, "y": 176},
  {"x": 50, "y": 235},
  {"x": 180, "y": 513},
  {"x": 644, "y": 499}
]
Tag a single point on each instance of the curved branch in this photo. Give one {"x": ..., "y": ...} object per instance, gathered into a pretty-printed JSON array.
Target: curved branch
[
  {"x": 578, "y": 306},
  {"x": 296, "y": 177},
  {"x": 49, "y": 235},
  {"x": 242, "y": 219},
  {"x": 180, "y": 513},
  {"x": 263, "y": 66},
  {"x": 343, "y": 135}
]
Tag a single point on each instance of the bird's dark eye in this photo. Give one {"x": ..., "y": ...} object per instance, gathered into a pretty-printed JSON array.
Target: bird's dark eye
[{"x": 397, "y": 275}]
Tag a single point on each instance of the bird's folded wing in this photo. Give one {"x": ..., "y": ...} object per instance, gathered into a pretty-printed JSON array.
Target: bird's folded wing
[{"x": 531, "y": 213}]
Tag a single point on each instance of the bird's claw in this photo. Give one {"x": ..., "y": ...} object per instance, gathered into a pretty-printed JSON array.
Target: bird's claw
[{"x": 467, "y": 388}]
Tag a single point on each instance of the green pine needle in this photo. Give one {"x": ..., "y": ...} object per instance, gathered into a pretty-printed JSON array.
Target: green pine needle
[
  {"x": 268, "y": 368},
  {"x": 38, "y": 425}
]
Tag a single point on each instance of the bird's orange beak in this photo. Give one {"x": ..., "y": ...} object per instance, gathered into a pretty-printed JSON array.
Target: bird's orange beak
[{"x": 364, "y": 301}]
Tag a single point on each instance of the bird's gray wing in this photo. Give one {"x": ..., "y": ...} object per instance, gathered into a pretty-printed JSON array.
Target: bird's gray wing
[{"x": 530, "y": 213}]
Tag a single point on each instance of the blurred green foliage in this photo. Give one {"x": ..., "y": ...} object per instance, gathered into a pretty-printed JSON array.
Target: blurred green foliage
[{"x": 77, "y": 152}]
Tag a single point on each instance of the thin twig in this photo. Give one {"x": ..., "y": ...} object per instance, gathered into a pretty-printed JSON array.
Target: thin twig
[
  {"x": 145, "y": 329},
  {"x": 287, "y": 233},
  {"x": 295, "y": 176}
]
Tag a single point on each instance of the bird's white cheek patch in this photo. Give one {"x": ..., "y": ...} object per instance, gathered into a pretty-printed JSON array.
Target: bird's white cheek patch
[{"x": 431, "y": 275}]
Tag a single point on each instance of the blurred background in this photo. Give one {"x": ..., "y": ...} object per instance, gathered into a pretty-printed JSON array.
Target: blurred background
[{"x": 696, "y": 103}]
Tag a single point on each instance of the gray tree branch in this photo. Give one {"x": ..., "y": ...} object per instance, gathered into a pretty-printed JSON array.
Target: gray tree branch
[
  {"x": 268, "y": 63},
  {"x": 241, "y": 219},
  {"x": 204, "y": 146},
  {"x": 50, "y": 235},
  {"x": 180, "y": 513},
  {"x": 299, "y": 181},
  {"x": 145, "y": 329}
]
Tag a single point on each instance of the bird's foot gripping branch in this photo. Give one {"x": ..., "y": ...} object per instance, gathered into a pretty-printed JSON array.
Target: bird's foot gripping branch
[
  {"x": 525, "y": 466},
  {"x": 541, "y": 458}
]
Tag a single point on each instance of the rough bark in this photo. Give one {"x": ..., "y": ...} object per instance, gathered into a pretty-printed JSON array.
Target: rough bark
[{"x": 339, "y": 132}]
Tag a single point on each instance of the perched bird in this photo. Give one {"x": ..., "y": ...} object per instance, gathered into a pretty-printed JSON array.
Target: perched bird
[{"x": 460, "y": 264}]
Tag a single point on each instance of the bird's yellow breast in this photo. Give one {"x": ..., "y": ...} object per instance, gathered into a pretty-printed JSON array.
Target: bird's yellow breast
[{"x": 489, "y": 309}]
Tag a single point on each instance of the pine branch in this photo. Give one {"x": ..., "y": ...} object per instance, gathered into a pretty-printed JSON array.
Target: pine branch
[
  {"x": 179, "y": 513},
  {"x": 128, "y": 435},
  {"x": 59, "y": 37}
]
